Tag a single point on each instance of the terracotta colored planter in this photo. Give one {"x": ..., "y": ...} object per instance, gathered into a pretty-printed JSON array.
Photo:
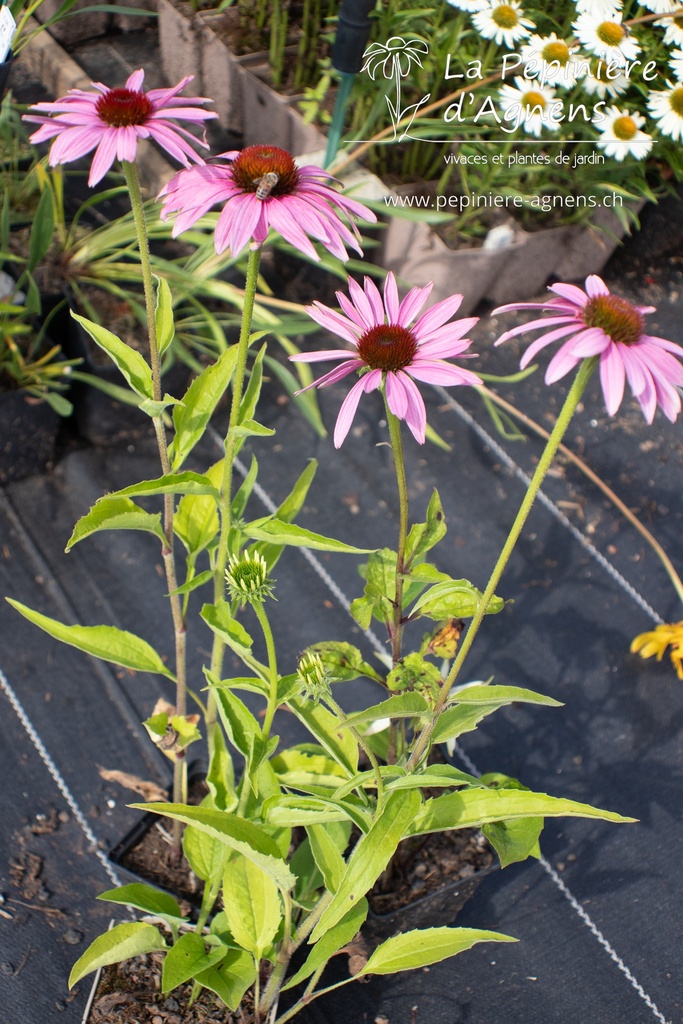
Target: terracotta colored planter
[{"x": 193, "y": 42}]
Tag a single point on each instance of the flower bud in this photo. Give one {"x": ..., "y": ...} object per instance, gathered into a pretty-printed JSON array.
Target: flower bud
[{"x": 247, "y": 578}]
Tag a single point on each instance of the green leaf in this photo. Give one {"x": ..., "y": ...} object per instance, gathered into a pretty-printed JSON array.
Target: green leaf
[
  {"x": 424, "y": 946},
  {"x": 163, "y": 315},
  {"x": 424, "y": 536},
  {"x": 131, "y": 363},
  {"x": 187, "y": 958},
  {"x": 194, "y": 583},
  {"x": 307, "y": 765},
  {"x": 435, "y": 775},
  {"x": 205, "y": 854},
  {"x": 330, "y": 943},
  {"x": 145, "y": 898},
  {"x": 474, "y": 703},
  {"x": 121, "y": 942},
  {"x": 172, "y": 483},
  {"x": 196, "y": 520},
  {"x": 42, "y": 231},
  {"x": 294, "y": 811},
  {"x": 116, "y": 514},
  {"x": 329, "y": 732},
  {"x": 515, "y": 840},
  {"x": 106, "y": 642},
  {"x": 237, "y": 833},
  {"x": 250, "y": 428},
  {"x": 477, "y": 807},
  {"x": 252, "y": 905},
  {"x": 328, "y": 843},
  {"x": 231, "y": 978},
  {"x": 239, "y": 723},
  {"x": 253, "y": 389},
  {"x": 371, "y": 855},
  {"x": 229, "y": 629},
  {"x": 275, "y": 531},
  {"x": 455, "y": 599},
  {"x": 403, "y": 705},
  {"x": 199, "y": 401}
]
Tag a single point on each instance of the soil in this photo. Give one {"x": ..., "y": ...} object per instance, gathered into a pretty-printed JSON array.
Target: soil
[
  {"x": 427, "y": 864},
  {"x": 129, "y": 993}
]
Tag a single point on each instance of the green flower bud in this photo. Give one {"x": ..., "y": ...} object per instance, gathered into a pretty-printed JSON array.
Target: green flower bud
[
  {"x": 313, "y": 677},
  {"x": 247, "y": 578}
]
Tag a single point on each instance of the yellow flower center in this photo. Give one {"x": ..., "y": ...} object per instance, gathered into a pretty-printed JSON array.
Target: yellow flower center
[
  {"x": 611, "y": 33},
  {"x": 556, "y": 50},
  {"x": 387, "y": 347},
  {"x": 534, "y": 99},
  {"x": 676, "y": 101},
  {"x": 624, "y": 127},
  {"x": 616, "y": 317},
  {"x": 505, "y": 16}
]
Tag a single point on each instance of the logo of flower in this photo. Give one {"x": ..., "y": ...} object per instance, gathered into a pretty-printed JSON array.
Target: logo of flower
[{"x": 395, "y": 59}]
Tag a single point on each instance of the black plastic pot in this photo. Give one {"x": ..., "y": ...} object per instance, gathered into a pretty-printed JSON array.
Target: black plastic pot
[
  {"x": 5, "y": 70},
  {"x": 28, "y": 435}
]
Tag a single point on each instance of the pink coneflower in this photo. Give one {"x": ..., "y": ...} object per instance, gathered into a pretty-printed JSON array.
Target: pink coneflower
[
  {"x": 605, "y": 325},
  {"x": 114, "y": 119},
  {"x": 263, "y": 188},
  {"x": 388, "y": 349}
]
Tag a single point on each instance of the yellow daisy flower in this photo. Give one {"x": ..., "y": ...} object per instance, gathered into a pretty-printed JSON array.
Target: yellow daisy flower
[{"x": 657, "y": 641}]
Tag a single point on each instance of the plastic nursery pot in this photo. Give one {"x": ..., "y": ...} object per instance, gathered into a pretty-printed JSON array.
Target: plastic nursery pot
[
  {"x": 438, "y": 908},
  {"x": 139, "y": 856},
  {"x": 5, "y": 70},
  {"x": 28, "y": 435}
]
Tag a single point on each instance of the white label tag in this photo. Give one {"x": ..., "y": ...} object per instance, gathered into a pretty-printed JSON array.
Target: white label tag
[{"x": 8, "y": 27}]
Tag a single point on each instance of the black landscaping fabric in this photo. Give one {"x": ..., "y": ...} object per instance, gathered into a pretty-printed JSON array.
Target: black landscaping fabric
[{"x": 600, "y": 926}]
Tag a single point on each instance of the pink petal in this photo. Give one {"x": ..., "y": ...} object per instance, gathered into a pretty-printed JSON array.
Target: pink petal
[
  {"x": 320, "y": 357},
  {"x": 445, "y": 374},
  {"x": 412, "y": 304},
  {"x": 436, "y": 316},
  {"x": 416, "y": 415},
  {"x": 562, "y": 362},
  {"x": 333, "y": 322},
  {"x": 612, "y": 378},
  {"x": 369, "y": 382},
  {"x": 591, "y": 342},
  {"x": 360, "y": 301},
  {"x": 391, "y": 302},
  {"x": 104, "y": 157},
  {"x": 135, "y": 80},
  {"x": 375, "y": 300},
  {"x": 574, "y": 295},
  {"x": 397, "y": 399},
  {"x": 540, "y": 343},
  {"x": 596, "y": 286}
]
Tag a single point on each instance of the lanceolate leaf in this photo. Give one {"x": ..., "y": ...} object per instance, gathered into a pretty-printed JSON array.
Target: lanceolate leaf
[
  {"x": 331, "y": 942},
  {"x": 328, "y": 731},
  {"x": 165, "y": 328},
  {"x": 476, "y": 807},
  {"x": 424, "y": 946},
  {"x": 370, "y": 857},
  {"x": 172, "y": 483},
  {"x": 275, "y": 531},
  {"x": 237, "y": 833},
  {"x": 403, "y": 705},
  {"x": 423, "y": 536},
  {"x": 145, "y": 898},
  {"x": 130, "y": 362},
  {"x": 199, "y": 401},
  {"x": 116, "y": 514},
  {"x": 473, "y": 703},
  {"x": 453, "y": 599},
  {"x": 187, "y": 958},
  {"x": 120, "y": 943},
  {"x": 105, "y": 642},
  {"x": 251, "y": 904}
]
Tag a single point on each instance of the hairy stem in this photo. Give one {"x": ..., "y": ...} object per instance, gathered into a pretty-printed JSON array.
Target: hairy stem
[{"x": 558, "y": 432}]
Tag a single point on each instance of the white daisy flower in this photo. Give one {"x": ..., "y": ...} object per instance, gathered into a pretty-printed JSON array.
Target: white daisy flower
[
  {"x": 621, "y": 134},
  {"x": 676, "y": 64},
  {"x": 598, "y": 83},
  {"x": 469, "y": 5},
  {"x": 667, "y": 108},
  {"x": 599, "y": 8},
  {"x": 530, "y": 106},
  {"x": 553, "y": 60},
  {"x": 660, "y": 6},
  {"x": 503, "y": 22},
  {"x": 673, "y": 27},
  {"x": 608, "y": 38}
]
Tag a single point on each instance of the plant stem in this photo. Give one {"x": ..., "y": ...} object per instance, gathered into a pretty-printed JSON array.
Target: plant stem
[
  {"x": 572, "y": 400},
  {"x": 137, "y": 206},
  {"x": 230, "y": 445},
  {"x": 272, "y": 670},
  {"x": 396, "y": 626}
]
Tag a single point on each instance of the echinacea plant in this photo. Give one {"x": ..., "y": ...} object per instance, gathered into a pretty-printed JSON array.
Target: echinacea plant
[{"x": 353, "y": 792}]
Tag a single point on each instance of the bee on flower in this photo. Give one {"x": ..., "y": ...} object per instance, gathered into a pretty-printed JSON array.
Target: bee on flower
[{"x": 606, "y": 37}]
